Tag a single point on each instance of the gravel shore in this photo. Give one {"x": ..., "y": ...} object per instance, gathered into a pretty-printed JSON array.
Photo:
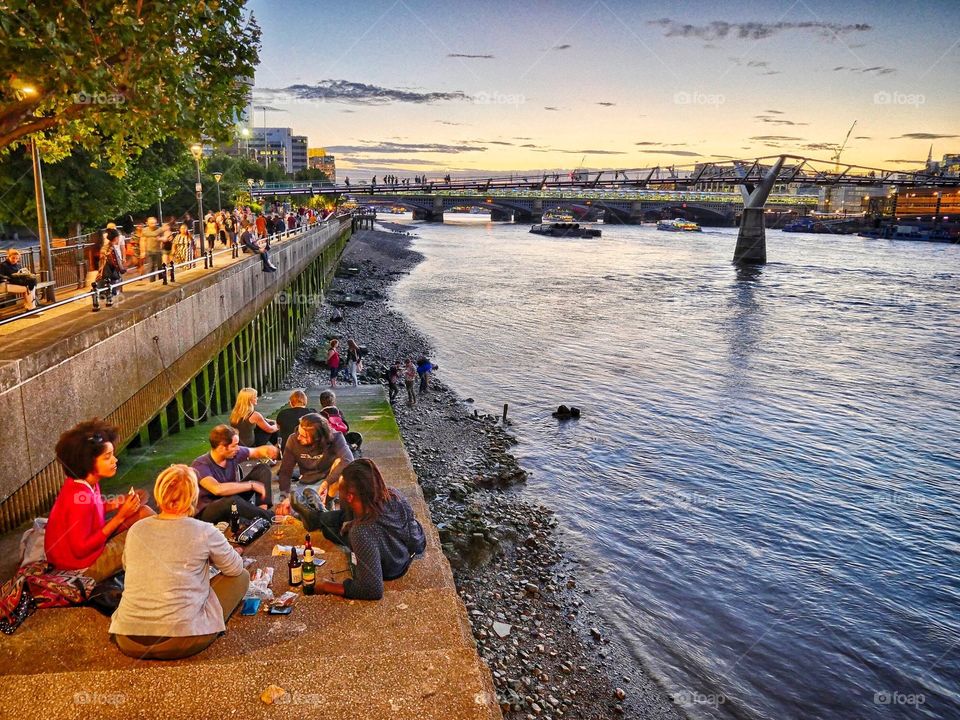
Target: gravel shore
[{"x": 550, "y": 654}]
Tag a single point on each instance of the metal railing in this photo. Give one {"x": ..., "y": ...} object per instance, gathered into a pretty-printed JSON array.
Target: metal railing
[{"x": 168, "y": 273}]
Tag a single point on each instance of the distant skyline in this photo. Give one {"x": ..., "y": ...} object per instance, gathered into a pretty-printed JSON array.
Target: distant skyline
[{"x": 437, "y": 87}]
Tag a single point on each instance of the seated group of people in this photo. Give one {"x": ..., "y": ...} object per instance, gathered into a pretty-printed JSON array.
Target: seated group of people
[{"x": 170, "y": 608}]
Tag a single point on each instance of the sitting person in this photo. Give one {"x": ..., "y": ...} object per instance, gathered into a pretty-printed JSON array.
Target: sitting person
[
  {"x": 220, "y": 485},
  {"x": 17, "y": 280},
  {"x": 319, "y": 452},
  {"x": 170, "y": 607},
  {"x": 252, "y": 427},
  {"x": 384, "y": 535},
  {"x": 78, "y": 535},
  {"x": 289, "y": 418},
  {"x": 250, "y": 244},
  {"x": 329, "y": 409}
]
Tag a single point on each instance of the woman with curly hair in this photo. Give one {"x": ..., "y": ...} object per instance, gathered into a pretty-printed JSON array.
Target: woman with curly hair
[{"x": 79, "y": 536}]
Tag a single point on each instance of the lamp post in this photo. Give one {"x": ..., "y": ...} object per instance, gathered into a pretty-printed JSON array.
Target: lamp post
[
  {"x": 197, "y": 151},
  {"x": 160, "y": 203},
  {"x": 43, "y": 229},
  {"x": 218, "y": 176},
  {"x": 246, "y": 142}
]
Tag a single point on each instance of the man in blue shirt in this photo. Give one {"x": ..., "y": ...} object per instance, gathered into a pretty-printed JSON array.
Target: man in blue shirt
[{"x": 221, "y": 485}]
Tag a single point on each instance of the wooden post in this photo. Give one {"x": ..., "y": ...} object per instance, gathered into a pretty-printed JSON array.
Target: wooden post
[{"x": 504, "y": 418}]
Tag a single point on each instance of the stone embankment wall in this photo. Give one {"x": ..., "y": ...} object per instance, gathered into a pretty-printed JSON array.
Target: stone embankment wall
[{"x": 154, "y": 365}]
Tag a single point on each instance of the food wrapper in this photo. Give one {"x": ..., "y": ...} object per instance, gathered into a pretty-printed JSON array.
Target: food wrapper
[{"x": 272, "y": 693}]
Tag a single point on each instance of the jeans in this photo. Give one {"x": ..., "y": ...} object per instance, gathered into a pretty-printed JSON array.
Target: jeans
[
  {"x": 352, "y": 370},
  {"x": 219, "y": 510}
]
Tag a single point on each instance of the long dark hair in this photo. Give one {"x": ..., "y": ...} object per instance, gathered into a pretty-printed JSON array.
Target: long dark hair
[
  {"x": 320, "y": 429},
  {"x": 362, "y": 477}
]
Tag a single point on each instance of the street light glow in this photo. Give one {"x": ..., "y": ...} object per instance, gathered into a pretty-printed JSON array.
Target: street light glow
[
  {"x": 196, "y": 150},
  {"x": 218, "y": 176}
]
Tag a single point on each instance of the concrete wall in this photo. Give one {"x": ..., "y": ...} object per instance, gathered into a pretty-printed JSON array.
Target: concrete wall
[{"x": 130, "y": 365}]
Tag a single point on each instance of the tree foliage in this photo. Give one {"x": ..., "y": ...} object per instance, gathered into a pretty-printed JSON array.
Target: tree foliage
[{"x": 115, "y": 76}]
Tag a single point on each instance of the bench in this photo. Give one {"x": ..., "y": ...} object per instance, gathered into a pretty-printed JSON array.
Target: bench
[{"x": 10, "y": 300}]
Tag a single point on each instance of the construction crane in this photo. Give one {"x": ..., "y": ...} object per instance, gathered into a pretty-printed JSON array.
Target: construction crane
[{"x": 836, "y": 157}]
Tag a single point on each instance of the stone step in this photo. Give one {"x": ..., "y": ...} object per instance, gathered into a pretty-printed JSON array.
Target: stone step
[{"x": 443, "y": 684}]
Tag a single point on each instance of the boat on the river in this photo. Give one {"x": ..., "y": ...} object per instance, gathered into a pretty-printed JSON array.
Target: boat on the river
[
  {"x": 564, "y": 229},
  {"x": 678, "y": 225}
]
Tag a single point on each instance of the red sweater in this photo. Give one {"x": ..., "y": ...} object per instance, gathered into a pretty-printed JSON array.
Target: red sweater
[{"x": 74, "y": 537}]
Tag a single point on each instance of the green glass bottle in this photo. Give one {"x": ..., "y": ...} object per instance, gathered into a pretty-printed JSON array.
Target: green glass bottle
[{"x": 308, "y": 572}]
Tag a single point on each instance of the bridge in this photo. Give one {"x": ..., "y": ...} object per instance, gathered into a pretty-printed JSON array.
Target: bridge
[{"x": 716, "y": 193}]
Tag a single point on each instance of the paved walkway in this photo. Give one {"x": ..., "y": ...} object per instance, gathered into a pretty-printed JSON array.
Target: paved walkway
[{"x": 408, "y": 656}]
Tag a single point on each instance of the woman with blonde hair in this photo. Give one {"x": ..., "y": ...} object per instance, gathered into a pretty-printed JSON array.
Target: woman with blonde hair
[
  {"x": 170, "y": 607},
  {"x": 252, "y": 427}
]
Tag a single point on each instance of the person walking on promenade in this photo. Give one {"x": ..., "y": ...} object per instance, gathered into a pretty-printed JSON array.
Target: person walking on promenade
[
  {"x": 182, "y": 244},
  {"x": 78, "y": 535},
  {"x": 170, "y": 607},
  {"x": 111, "y": 266},
  {"x": 354, "y": 361},
  {"x": 210, "y": 230},
  {"x": 333, "y": 361},
  {"x": 19, "y": 281},
  {"x": 409, "y": 378},
  {"x": 150, "y": 247},
  {"x": 261, "y": 226},
  {"x": 219, "y": 477},
  {"x": 376, "y": 523},
  {"x": 252, "y": 427},
  {"x": 166, "y": 242},
  {"x": 393, "y": 380}
]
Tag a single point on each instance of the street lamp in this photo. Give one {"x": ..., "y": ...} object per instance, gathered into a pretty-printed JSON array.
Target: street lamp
[
  {"x": 218, "y": 176},
  {"x": 246, "y": 142},
  {"x": 197, "y": 151},
  {"x": 43, "y": 230}
]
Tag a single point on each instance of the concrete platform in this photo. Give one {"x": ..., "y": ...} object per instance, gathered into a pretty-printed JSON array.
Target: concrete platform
[{"x": 410, "y": 655}]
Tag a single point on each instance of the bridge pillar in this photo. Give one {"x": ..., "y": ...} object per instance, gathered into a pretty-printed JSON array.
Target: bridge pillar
[
  {"x": 752, "y": 239},
  {"x": 525, "y": 216},
  {"x": 427, "y": 216},
  {"x": 500, "y": 215}
]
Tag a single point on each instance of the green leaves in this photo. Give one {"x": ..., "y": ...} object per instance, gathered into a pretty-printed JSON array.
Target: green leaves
[{"x": 112, "y": 82}]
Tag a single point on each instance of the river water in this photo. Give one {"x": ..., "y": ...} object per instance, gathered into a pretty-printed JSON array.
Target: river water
[{"x": 763, "y": 488}]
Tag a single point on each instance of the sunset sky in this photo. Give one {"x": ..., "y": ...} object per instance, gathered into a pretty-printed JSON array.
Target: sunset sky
[{"x": 427, "y": 86}]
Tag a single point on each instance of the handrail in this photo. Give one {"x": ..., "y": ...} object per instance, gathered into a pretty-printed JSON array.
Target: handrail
[{"x": 206, "y": 258}]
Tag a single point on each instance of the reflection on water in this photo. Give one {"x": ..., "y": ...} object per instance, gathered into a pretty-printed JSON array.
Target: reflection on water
[{"x": 763, "y": 487}]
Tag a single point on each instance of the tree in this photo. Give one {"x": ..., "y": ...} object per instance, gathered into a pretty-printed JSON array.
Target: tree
[
  {"x": 115, "y": 76},
  {"x": 312, "y": 175}
]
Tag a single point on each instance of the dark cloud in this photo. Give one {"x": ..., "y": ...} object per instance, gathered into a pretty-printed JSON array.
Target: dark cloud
[
  {"x": 551, "y": 109},
  {"x": 394, "y": 147},
  {"x": 820, "y": 146},
  {"x": 647, "y": 142},
  {"x": 775, "y": 112},
  {"x": 499, "y": 142},
  {"x": 565, "y": 46},
  {"x": 775, "y": 138},
  {"x": 445, "y": 122},
  {"x": 875, "y": 70},
  {"x": 593, "y": 152},
  {"x": 470, "y": 57},
  {"x": 753, "y": 30},
  {"x": 777, "y": 121},
  {"x": 357, "y": 93},
  {"x": 682, "y": 153},
  {"x": 862, "y": 137},
  {"x": 772, "y": 72},
  {"x": 907, "y": 162},
  {"x": 373, "y": 163},
  {"x": 518, "y": 137},
  {"x": 268, "y": 108},
  {"x": 923, "y": 136},
  {"x": 604, "y": 103},
  {"x": 529, "y": 145}
]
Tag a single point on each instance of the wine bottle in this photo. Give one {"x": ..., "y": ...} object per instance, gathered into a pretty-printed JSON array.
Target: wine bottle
[
  {"x": 295, "y": 568},
  {"x": 309, "y": 572}
]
